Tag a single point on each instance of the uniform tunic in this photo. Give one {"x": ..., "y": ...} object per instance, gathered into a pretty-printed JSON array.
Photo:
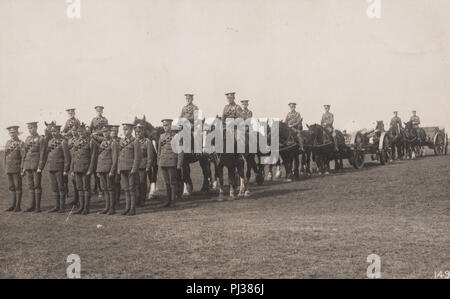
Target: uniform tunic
[
  {"x": 83, "y": 155},
  {"x": 129, "y": 161},
  {"x": 246, "y": 113},
  {"x": 166, "y": 156},
  {"x": 57, "y": 162},
  {"x": 231, "y": 111},
  {"x": 98, "y": 123},
  {"x": 396, "y": 122},
  {"x": 148, "y": 153},
  {"x": 415, "y": 121},
  {"x": 33, "y": 158},
  {"x": 294, "y": 119},
  {"x": 327, "y": 119},
  {"x": 71, "y": 123},
  {"x": 188, "y": 112},
  {"x": 108, "y": 153},
  {"x": 12, "y": 162}
]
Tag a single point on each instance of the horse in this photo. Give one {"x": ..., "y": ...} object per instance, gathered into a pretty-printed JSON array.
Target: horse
[
  {"x": 397, "y": 137},
  {"x": 153, "y": 134},
  {"x": 323, "y": 149},
  {"x": 415, "y": 139}
]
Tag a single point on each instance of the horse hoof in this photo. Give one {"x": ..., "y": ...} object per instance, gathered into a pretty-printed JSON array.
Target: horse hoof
[
  {"x": 288, "y": 180},
  {"x": 327, "y": 173},
  {"x": 247, "y": 194}
]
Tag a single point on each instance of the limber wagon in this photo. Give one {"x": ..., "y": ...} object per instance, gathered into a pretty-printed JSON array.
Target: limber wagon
[
  {"x": 436, "y": 139},
  {"x": 362, "y": 142}
]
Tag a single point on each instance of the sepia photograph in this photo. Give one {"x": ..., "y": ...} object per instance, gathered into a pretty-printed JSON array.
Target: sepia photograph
[{"x": 224, "y": 143}]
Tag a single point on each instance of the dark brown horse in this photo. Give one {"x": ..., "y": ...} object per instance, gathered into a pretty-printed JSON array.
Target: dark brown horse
[
  {"x": 415, "y": 140},
  {"x": 323, "y": 148}
]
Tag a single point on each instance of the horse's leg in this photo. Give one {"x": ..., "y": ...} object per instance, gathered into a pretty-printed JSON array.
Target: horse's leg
[
  {"x": 278, "y": 173},
  {"x": 187, "y": 179},
  {"x": 231, "y": 179},
  {"x": 296, "y": 165},
  {"x": 270, "y": 172},
  {"x": 243, "y": 189},
  {"x": 219, "y": 176},
  {"x": 152, "y": 176},
  {"x": 206, "y": 170}
]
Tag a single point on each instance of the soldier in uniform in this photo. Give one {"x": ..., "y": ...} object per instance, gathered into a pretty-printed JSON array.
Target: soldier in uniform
[
  {"x": 108, "y": 153},
  {"x": 84, "y": 154},
  {"x": 188, "y": 110},
  {"x": 327, "y": 123},
  {"x": 73, "y": 136},
  {"x": 246, "y": 113},
  {"x": 33, "y": 158},
  {"x": 12, "y": 162},
  {"x": 128, "y": 167},
  {"x": 58, "y": 165},
  {"x": 71, "y": 123},
  {"x": 396, "y": 123},
  {"x": 147, "y": 161},
  {"x": 97, "y": 124},
  {"x": 231, "y": 110},
  {"x": 116, "y": 184},
  {"x": 415, "y": 120},
  {"x": 170, "y": 162},
  {"x": 294, "y": 121}
]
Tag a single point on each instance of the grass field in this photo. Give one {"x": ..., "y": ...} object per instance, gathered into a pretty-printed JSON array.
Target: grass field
[{"x": 321, "y": 227}]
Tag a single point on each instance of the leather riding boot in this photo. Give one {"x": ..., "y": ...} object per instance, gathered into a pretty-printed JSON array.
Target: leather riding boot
[
  {"x": 32, "y": 202},
  {"x": 13, "y": 202},
  {"x": 87, "y": 202},
  {"x": 76, "y": 198},
  {"x": 56, "y": 208},
  {"x": 81, "y": 203},
  {"x": 300, "y": 142},
  {"x": 112, "y": 203},
  {"x": 107, "y": 202},
  {"x": 18, "y": 202},
  {"x": 336, "y": 148},
  {"x": 38, "y": 194},
  {"x": 127, "y": 203},
  {"x": 132, "y": 204},
  {"x": 62, "y": 202},
  {"x": 169, "y": 196}
]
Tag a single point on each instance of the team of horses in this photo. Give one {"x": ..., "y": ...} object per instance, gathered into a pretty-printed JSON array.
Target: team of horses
[{"x": 318, "y": 146}]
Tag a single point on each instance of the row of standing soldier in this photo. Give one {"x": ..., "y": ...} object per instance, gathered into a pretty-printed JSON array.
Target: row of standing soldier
[{"x": 119, "y": 163}]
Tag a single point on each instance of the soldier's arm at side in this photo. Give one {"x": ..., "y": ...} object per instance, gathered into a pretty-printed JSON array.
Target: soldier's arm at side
[
  {"x": 158, "y": 154},
  {"x": 42, "y": 151},
  {"x": 115, "y": 157},
  {"x": 23, "y": 152},
  {"x": 150, "y": 152},
  {"x": 66, "y": 153},
  {"x": 93, "y": 159},
  {"x": 137, "y": 156}
]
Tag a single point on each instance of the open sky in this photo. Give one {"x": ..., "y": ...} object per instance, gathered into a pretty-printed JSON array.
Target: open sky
[{"x": 139, "y": 57}]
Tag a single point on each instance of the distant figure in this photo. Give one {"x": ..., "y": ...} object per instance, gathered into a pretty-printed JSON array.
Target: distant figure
[
  {"x": 71, "y": 123},
  {"x": 396, "y": 123},
  {"x": 188, "y": 110},
  {"x": 294, "y": 121},
  {"x": 246, "y": 113},
  {"x": 327, "y": 123}
]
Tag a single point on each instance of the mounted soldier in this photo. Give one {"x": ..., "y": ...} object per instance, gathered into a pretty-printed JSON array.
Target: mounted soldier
[
  {"x": 12, "y": 162},
  {"x": 147, "y": 160},
  {"x": 128, "y": 167},
  {"x": 71, "y": 123},
  {"x": 415, "y": 121},
  {"x": 294, "y": 122},
  {"x": 58, "y": 165},
  {"x": 83, "y": 164},
  {"x": 327, "y": 123},
  {"x": 107, "y": 156},
  {"x": 97, "y": 125},
  {"x": 188, "y": 110},
  {"x": 33, "y": 159},
  {"x": 246, "y": 113},
  {"x": 231, "y": 110},
  {"x": 396, "y": 123}
]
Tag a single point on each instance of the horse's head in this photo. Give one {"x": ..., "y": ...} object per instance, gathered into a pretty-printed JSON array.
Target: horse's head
[
  {"x": 316, "y": 133},
  {"x": 409, "y": 129},
  {"x": 149, "y": 130},
  {"x": 380, "y": 125},
  {"x": 48, "y": 128}
]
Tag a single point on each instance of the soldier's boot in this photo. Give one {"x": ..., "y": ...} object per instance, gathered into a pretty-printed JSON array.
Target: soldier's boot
[
  {"x": 300, "y": 141},
  {"x": 112, "y": 203},
  {"x": 56, "y": 208},
  {"x": 169, "y": 196},
  {"x": 13, "y": 202},
  {"x": 336, "y": 148},
  {"x": 132, "y": 204},
  {"x": 87, "y": 202},
  {"x": 62, "y": 203},
  {"x": 81, "y": 203},
  {"x": 127, "y": 203},
  {"x": 32, "y": 202},
  {"x": 38, "y": 201},
  {"x": 76, "y": 198},
  {"x": 107, "y": 202},
  {"x": 18, "y": 202}
]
